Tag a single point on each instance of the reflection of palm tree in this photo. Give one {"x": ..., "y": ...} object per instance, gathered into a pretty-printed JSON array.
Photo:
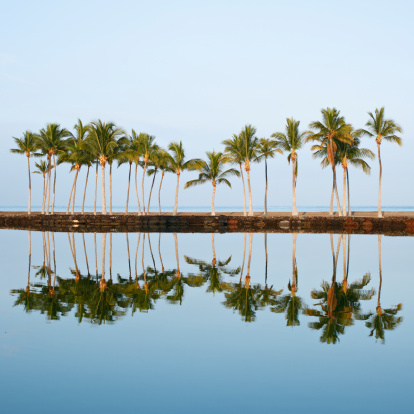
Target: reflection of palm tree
[
  {"x": 291, "y": 303},
  {"x": 213, "y": 272},
  {"x": 383, "y": 319}
]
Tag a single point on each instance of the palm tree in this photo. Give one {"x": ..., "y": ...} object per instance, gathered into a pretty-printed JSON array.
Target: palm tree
[
  {"x": 42, "y": 168},
  {"x": 26, "y": 145},
  {"x": 267, "y": 149},
  {"x": 163, "y": 160},
  {"x": 386, "y": 129},
  {"x": 101, "y": 142},
  {"x": 234, "y": 152},
  {"x": 250, "y": 150},
  {"x": 126, "y": 154},
  {"x": 332, "y": 130},
  {"x": 352, "y": 154},
  {"x": 290, "y": 142},
  {"x": 51, "y": 141},
  {"x": 148, "y": 150},
  {"x": 177, "y": 163},
  {"x": 212, "y": 170},
  {"x": 136, "y": 149}
]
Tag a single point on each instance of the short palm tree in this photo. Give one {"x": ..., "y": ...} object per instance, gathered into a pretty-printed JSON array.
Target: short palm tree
[
  {"x": 177, "y": 163},
  {"x": 101, "y": 142},
  {"x": 267, "y": 149},
  {"x": 212, "y": 171},
  {"x": 164, "y": 165},
  {"x": 386, "y": 129},
  {"x": 157, "y": 158},
  {"x": 42, "y": 168},
  {"x": 291, "y": 141},
  {"x": 51, "y": 141},
  {"x": 26, "y": 145},
  {"x": 250, "y": 151},
  {"x": 332, "y": 130},
  {"x": 234, "y": 152}
]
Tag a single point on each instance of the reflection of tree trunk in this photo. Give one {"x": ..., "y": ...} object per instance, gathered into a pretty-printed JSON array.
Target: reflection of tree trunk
[
  {"x": 110, "y": 255},
  {"x": 103, "y": 282},
  {"x": 159, "y": 251},
  {"x": 30, "y": 259},
  {"x": 250, "y": 253},
  {"x": 294, "y": 288},
  {"x": 86, "y": 256},
  {"x": 380, "y": 177},
  {"x": 143, "y": 249},
  {"x": 213, "y": 249},
  {"x": 244, "y": 256},
  {"x": 84, "y": 192},
  {"x": 72, "y": 250},
  {"x": 344, "y": 283},
  {"x": 54, "y": 258},
  {"x": 149, "y": 244},
  {"x": 136, "y": 256},
  {"x": 129, "y": 257},
  {"x": 244, "y": 191},
  {"x": 129, "y": 184},
  {"x": 96, "y": 256},
  {"x": 380, "y": 274},
  {"x": 176, "y": 254},
  {"x": 265, "y": 244}
]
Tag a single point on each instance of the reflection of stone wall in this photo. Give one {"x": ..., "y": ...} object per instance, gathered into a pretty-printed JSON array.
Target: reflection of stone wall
[{"x": 204, "y": 223}]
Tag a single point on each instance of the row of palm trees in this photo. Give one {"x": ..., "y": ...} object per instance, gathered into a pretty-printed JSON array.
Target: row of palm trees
[
  {"x": 103, "y": 299},
  {"x": 334, "y": 140}
]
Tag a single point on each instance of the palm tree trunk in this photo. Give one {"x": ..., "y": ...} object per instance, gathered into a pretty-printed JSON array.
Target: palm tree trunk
[
  {"x": 159, "y": 193},
  {"x": 344, "y": 193},
  {"x": 244, "y": 191},
  {"x": 48, "y": 184},
  {"x": 103, "y": 190},
  {"x": 159, "y": 251},
  {"x": 265, "y": 199},
  {"x": 336, "y": 190},
  {"x": 136, "y": 188},
  {"x": 250, "y": 194},
  {"x": 96, "y": 188},
  {"x": 84, "y": 193},
  {"x": 349, "y": 199},
  {"x": 176, "y": 194},
  {"x": 213, "y": 213},
  {"x": 176, "y": 254},
  {"x": 44, "y": 194},
  {"x": 110, "y": 188},
  {"x": 380, "y": 177},
  {"x": 152, "y": 186},
  {"x": 294, "y": 210},
  {"x": 54, "y": 184},
  {"x": 129, "y": 183},
  {"x": 71, "y": 192},
  {"x": 30, "y": 187},
  {"x": 142, "y": 185},
  {"x": 74, "y": 191}
]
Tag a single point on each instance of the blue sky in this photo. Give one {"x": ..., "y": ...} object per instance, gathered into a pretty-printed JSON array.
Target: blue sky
[{"x": 199, "y": 71}]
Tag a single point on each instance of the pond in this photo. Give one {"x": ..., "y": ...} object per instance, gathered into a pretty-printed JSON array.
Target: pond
[{"x": 237, "y": 322}]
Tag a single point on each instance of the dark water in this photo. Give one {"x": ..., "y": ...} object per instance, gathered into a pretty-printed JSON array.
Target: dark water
[{"x": 325, "y": 326}]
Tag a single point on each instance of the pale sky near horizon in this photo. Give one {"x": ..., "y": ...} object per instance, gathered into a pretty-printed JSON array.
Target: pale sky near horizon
[{"x": 198, "y": 72}]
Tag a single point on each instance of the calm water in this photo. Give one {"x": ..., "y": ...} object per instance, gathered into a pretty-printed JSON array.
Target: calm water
[{"x": 198, "y": 323}]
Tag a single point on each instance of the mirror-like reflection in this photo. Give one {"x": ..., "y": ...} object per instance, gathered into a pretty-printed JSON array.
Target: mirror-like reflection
[{"x": 330, "y": 309}]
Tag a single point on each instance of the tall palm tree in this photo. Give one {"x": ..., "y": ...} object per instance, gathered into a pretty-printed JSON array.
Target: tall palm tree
[
  {"x": 136, "y": 149},
  {"x": 234, "y": 151},
  {"x": 148, "y": 150},
  {"x": 42, "y": 168},
  {"x": 51, "y": 141},
  {"x": 126, "y": 155},
  {"x": 267, "y": 149},
  {"x": 26, "y": 145},
  {"x": 250, "y": 151},
  {"x": 291, "y": 141},
  {"x": 386, "y": 129},
  {"x": 332, "y": 130},
  {"x": 212, "y": 170},
  {"x": 163, "y": 160},
  {"x": 177, "y": 163},
  {"x": 101, "y": 142}
]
